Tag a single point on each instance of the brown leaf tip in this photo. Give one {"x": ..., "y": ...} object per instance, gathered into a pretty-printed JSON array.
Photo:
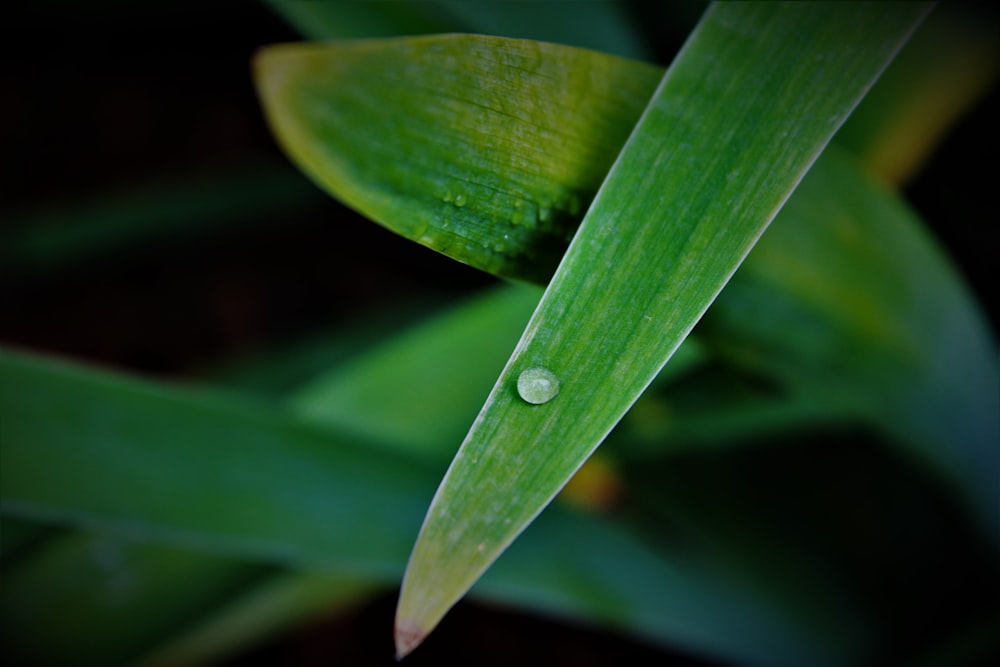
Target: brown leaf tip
[{"x": 409, "y": 635}]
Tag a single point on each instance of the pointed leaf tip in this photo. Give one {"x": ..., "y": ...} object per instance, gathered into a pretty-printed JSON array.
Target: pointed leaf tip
[
  {"x": 408, "y": 636},
  {"x": 672, "y": 236}
]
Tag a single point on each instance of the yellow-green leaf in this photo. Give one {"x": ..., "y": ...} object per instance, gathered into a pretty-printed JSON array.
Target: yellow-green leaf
[{"x": 452, "y": 125}]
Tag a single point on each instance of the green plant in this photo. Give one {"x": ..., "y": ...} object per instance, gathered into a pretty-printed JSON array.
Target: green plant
[{"x": 823, "y": 347}]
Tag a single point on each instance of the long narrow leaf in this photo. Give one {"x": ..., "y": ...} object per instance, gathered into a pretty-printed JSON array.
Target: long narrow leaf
[
  {"x": 604, "y": 25},
  {"x": 229, "y": 476},
  {"x": 253, "y": 616},
  {"x": 740, "y": 116},
  {"x": 340, "y": 20},
  {"x": 821, "y": 245},
  {"x": 205, "y": 470},
  {"x": 869, "y": 318},
  {"x": 601, "y": 25},
  {"x": 423, "y": 388},
  {"x": 59, "y": 235},
  {"x": 99, "y": 600}
]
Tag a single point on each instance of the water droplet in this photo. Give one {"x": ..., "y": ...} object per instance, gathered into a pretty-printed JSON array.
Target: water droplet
[
  {"x": 537, "y": 385},
  {"x": 460, "y": 199},
  {"x": 448, "y": 197}
]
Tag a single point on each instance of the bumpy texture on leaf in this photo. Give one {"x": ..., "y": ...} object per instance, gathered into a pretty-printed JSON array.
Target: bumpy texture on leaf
[{"x": 488, "y": 150}]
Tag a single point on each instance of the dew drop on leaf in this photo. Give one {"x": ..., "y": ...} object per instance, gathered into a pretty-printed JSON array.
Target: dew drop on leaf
[{"x": 537, "y": 385}]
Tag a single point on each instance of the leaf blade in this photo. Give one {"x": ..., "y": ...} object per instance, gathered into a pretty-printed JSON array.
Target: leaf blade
[
  {"x": 78, "y": 442},
  {"x": 850, "y": 304},
  {"x": 426, "y": 164},
  {"x": 605, "y": 351}
]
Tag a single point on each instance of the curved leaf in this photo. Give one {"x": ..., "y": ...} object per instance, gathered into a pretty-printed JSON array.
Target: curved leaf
[
  {"x": 452, "y": 125},
  {"x": 851, "y": 304}
]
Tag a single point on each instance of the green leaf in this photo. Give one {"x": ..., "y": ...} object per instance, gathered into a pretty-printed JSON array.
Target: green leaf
[
  {"x": 454, "y": 163},
  {"x": 824, "y": 245},
  {"x": 851, "y": 304},
  {"x": 742, "y": 113},
  {"x": 370, "y": 18},
  {"x": 229, "y": 476},
  {"x": 58, "y": 235},
  {"x": 664, "y": 593},
  {"x": 717, "y": 408},
  {"x": 422, "y": 388},
  {"x": 99, "y": 600},
  {"x": 252, "y": 616},
  {"x": 103, "y": 452},
  {"x": 281, "y": 369},
  {"x": 604, "y": 25}
]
